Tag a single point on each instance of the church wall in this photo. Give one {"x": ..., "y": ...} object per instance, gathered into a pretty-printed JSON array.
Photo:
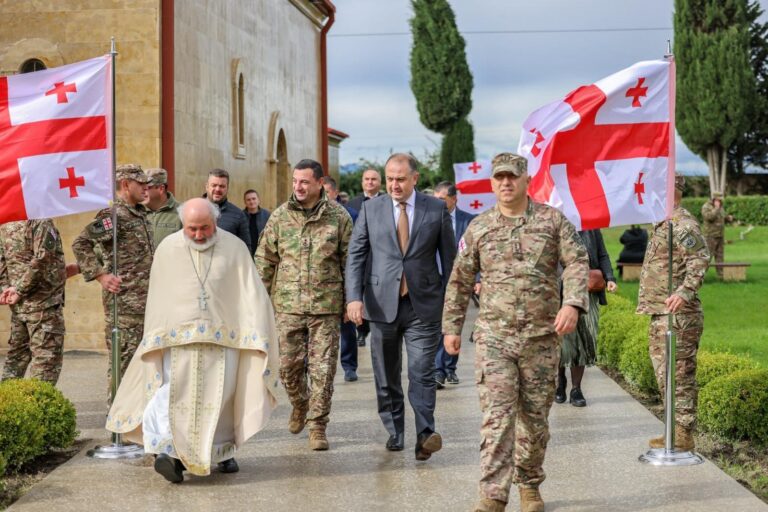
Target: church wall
[{"x": 58, "y": 33}]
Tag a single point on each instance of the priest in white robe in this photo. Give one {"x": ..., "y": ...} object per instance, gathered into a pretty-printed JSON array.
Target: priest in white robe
[{"x": 205, "y": 376}]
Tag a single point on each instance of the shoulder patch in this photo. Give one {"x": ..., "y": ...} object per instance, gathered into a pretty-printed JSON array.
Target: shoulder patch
[
  {"x": 462, "y": 245},
  {"x": 691, "y": 241}
]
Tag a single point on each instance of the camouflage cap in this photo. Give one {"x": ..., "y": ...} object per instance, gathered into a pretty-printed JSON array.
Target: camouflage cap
[
  {"x": 509, "y": 162},
  {"x": 680, "y": 182},
  {"x": 717, "y": 195},
  {"x": 131, "y": 172},
  {"x": 157, "y": 176}
]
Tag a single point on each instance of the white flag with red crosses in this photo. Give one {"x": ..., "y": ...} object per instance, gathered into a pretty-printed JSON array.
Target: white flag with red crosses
[
  {"x": 473, "y": 186},
  {"x": 56, "y": 141},
  {"x": 605, "y": 154}
]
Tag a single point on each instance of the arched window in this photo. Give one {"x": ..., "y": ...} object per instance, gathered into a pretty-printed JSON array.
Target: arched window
[
  {"x": 241, "y": 110},
  {"x": 238, "y": 108},
  {"x": 31, "y": 65},
  {"x": 283, "y": 169}
]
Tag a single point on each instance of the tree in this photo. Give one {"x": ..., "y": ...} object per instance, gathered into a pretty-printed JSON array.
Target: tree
[
  {"x": 457, "y": 147},
  {"x": 440, "y": 78},
  {"x": 715, "y": 82},
  {"x": 752, "y": 147}
]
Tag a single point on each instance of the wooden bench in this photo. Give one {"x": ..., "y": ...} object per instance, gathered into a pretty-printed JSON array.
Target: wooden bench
[
  {"x": 629, "y": 271},
  {"x": 733, "y": 271}
]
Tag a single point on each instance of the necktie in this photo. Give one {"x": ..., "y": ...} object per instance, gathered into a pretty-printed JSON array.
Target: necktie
[{"x": 402, "y": 237}]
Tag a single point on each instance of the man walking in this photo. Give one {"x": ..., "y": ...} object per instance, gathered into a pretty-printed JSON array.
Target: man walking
[
  {"x": 257, "y": 217},
  {"x": 161, "y": 206},
  {"x": 300, "y": 258},
  {"x": 403, "y": 235},
  {"x": 232, "y": 218},
  {"x": 714, "y": 228}
]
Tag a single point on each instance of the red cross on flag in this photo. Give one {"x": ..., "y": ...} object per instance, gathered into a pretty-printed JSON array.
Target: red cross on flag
[
  {"x": 55, "y": 141},
  {"x": 604, "y": 155},
  {"x": 473, "y": 184}
]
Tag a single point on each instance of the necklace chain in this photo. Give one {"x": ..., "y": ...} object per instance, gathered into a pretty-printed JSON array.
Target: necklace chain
[{"x": 203, "y": 295}]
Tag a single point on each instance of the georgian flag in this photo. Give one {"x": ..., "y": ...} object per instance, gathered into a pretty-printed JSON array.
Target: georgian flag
[
  {"x": 55, "y": 141},
  {"x": 473, "y": 184},
  {"x": 604, "y": 155}
]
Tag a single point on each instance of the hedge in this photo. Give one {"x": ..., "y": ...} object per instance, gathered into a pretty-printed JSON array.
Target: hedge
[
  {"x": 635, "y": 363},
  {"x": 736, "y": 406},
  {"x": 711, "y": 365},
  {"x": 744, "y": 209}
]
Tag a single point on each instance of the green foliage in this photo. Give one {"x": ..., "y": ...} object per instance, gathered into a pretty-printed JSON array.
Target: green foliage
[
  {"x": 21, "y": 426},
  {"x": 457, "y": 147},
  {"x": 2, "y": 470},
  {"x": 59, "y": 415},
  {"x": 711, "y": 365},
  {"x": 736, "y": 406},
  {"x": 744, "y": 209},
  {"x": 616, "y": 319},
  {"x": 635, "y": 362},
  {"x": 440, "y": 76}
]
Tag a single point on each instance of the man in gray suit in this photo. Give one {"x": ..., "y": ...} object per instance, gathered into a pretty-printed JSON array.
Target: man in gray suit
[{"x": 402, "y": 296}]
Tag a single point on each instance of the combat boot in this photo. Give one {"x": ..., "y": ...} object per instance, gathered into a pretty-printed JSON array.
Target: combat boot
[
  {"x": 684, "y": 441},
  {"x": 489, "y": 505},
  {"x": 530, "y": 500},
  {"x": 317, "y": 440},
  {"x": 298, "y": 419}
]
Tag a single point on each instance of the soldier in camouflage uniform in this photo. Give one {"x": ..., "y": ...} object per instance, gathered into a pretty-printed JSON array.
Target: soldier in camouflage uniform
[
  {"x": 516, "y": 247},
  {"x": 135, "y": 246},
  {"x": 690, "y": 259},
  {"x": 714, "y": 228},
  {"x": 32, "y": 276},
  {"x": 161, "y": 206},
  {"x": 301, "y": 256}
]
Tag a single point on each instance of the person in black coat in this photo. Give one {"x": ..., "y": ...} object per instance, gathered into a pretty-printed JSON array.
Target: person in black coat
[{"x": 634, "y": 240}]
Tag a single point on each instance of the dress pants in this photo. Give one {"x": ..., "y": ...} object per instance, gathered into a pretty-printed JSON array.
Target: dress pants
[
  {"x": 421, "y": 340},
  {"x": 348, "y": 350},
  {"x": 445, "y": 363}
]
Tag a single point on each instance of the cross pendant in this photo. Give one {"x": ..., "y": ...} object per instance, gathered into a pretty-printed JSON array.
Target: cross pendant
[{"x": 202, "y": 300}]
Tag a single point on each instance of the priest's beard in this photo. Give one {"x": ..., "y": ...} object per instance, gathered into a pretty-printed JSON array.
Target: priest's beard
[{"x": 210, "y": 242}]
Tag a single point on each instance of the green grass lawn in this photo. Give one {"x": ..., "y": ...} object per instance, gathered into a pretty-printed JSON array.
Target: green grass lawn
[{"x": 735, "y": 314}]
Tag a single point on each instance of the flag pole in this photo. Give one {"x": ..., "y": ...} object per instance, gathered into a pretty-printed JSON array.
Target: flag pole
[
  {"x": 668, "y": 456},
  {"x": 117, "y": 449}
]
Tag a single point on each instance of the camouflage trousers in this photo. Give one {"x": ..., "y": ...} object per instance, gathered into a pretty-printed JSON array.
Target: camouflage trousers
[
  {"x": 36, "y": 338},
  {"x": 131, "y": 330},
  {"x": 688, "y": 328},
  {"x": 516, "y": 381},
  {"x": 716, "y": 246},
  {"x": 309, "y": 346}
]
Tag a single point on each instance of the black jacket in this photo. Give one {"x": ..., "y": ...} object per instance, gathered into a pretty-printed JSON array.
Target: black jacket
[
  {"x": 598, "y": 257},
  {"x": 233, "y": 219}
]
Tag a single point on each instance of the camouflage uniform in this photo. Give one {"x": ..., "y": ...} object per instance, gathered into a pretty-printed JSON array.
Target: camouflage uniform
[
  {"x": 714, "y": 230},
  {"x": 32, "y": 261},
  {"x": 93, "y": 251},
  {"x": 165, "y": 220},
  {"x": 690, "y": 259},
  {"x": 517, "y": 350},
  {"x": 301, "y": 257}
]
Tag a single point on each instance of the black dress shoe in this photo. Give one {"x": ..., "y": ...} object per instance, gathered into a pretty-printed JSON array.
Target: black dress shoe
[
  {"x": 229, "y": 466},
  {"x": 171, "y": 469},
  {"x": 577, "y": 398},
  {"x": 452, "y": 378},
  {"x": 560, "y": 391},
  {"x": 396, "y": 442},
  {"x": 427, "y": 444},
  {"x": 440, "y": 380}
]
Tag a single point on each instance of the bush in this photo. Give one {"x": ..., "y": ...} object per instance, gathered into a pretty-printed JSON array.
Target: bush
[
  {"x": 635, "y": 363},
  {"x": 617, "y": 320},
  {"x": 21, "y": 426},
  {"x": 744, "y": 209},
  {"x": 59, "y": 415},
  {"x": 736, "y": 406},
  {"x": 711, "y": 365}
]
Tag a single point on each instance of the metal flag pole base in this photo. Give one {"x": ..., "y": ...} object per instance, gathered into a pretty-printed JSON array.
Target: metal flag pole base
[
  {"x": 117, "y": 450},
  {"x": 664, "y": 457}
]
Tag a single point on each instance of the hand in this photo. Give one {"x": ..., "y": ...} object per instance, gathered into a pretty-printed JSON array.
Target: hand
[
  {"x": 72, "y": 269},
  {"x": 452, "y": 344},
  {"x": 478, "y": 288},
  {"x": 9, "y": 296},
  {"x": 674, "y": 302},
  {"x": 566, "y": 319},
  {"x": 345, "y": 317},
  {"x": 611, "y": 286},
  {"x": 355, "y": 311},
  {"x": 109, "y": 282}
]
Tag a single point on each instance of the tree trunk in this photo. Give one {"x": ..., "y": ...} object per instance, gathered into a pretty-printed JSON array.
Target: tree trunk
[{"x": 717, "y": 161}]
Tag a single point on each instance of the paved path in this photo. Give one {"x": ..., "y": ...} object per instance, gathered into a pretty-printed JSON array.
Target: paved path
[{"x": 591, "y": 462}]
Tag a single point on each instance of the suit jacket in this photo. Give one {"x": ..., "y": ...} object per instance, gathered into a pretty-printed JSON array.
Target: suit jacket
[
  {"x": 374, "y": 237},
  {"x": 462, "y": 221},
  {"x": 357, "y": 201}
]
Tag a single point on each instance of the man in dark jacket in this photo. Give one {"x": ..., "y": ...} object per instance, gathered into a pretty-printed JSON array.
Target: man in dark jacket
[
  {"x": 256, "y": 215},
  {"x": 232, "y": 218}
]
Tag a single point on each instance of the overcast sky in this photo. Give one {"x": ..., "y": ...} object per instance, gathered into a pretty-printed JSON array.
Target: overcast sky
[{"x": 552, "y": 47}]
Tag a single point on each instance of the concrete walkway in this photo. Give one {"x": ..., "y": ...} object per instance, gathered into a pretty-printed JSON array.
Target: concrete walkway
[{"x": 591, "y": 462}]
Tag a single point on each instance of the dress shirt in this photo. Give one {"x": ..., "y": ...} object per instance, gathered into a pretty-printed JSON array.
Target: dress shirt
[{"x": 410, "y": 204}]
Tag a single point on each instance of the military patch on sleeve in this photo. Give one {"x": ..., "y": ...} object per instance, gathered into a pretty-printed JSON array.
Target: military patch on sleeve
[
  {"x": 691, "y": 241},
  {"x": 462, "y": 245},
  {"x": 100, "y": 227}
]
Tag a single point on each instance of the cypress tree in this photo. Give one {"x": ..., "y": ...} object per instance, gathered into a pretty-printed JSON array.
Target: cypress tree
[
  {"x": 456, "y": 147},
  {"x": 715, "y": 82}
]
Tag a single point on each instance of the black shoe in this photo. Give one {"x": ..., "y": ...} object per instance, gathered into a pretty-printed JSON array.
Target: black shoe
[
  {"x": 171, "y": 469},
  {"x": 577, "y": 398},
  {"x": 350, "y": 375},
  {"x": 427, "y": 444},
  {"x": 440, "y": 379},
  {"x": 396, "y": 442},
  {"x": 560, "y": 391},
  {"x": 361, "y": 340},
  {"x": 452, "y": 378},
  {"x": 229, "y": 466}
]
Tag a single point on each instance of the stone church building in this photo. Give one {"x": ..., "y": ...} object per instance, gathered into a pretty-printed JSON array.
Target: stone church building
[{"x": 200, "y": 84}]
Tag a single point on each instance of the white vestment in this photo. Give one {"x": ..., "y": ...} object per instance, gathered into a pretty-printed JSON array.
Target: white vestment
[{"x": 204, "y": 377}]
